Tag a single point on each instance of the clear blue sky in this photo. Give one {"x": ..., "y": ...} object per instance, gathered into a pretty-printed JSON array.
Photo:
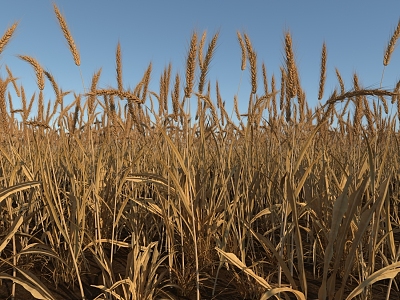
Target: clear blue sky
[{"x": 356, "y": 33}]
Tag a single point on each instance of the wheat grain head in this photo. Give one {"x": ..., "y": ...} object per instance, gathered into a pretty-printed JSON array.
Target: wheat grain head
[
  {"x": 323, "y": 72},
  {"x": 38, "y": 69},
  {"x": 7, "y": 36},
  {"x": 67, "y": 35},
  {"x": 191, "y": 65},
  {"x": 391, "y": 45}
]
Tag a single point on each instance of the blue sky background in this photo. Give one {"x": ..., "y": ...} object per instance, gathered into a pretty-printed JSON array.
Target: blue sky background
[{"x": 356, "y": 33}]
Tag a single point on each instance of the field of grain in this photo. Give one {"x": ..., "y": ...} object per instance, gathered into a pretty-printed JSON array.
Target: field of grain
[{"x": 141, "y": 194}]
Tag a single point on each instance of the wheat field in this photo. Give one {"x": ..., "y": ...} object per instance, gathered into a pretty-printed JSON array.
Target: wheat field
[{"x": 141, "y": 194}]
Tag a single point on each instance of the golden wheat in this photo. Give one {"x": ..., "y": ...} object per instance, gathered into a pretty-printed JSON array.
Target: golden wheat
[
  {"x": 7, "y": 36},
  {"x": 283, "y": 84},
  {"x": 38, "y": 70},
  {"x": 215, "y": 192},
  {"x": 175, "y": 97},
  {"x": 3, "y": 105},
  {"x": 391, "y": 45},
  {"x": 323, "y": 72},
  {"x": 191, "y": 65},
  {"x": 13, "y": 80},
  {"x": 204, "y": 65},
  {"x": 119, "y": 66},
  {"x": 67, "y": 35},
  {"x": 145, "y": 81},
  {"x": 92, "y": 96},
  {"x": 243, "y": 48},
  {"x": 291, "y": 71},
  {"x": 339, "y": 77}
]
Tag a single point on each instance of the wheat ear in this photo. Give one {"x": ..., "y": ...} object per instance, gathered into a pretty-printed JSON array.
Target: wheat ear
[
  {"x": 252, "y": 56},
  {"x": 200, "y": 51},
  {"x": 3, "y": 106},
  {"x": 205, "y": 64},
  {"x": 92, "y": 97},
  {"x": 323, "y": 72},
  {"x": 290, "y": 67},
  {"x": 243, "y": 48},
  {"x": 67, "y": 35},
  {"x": 339, "y": 77},
  {"x": 175, "y": 97},
  {"x": 265, "y": 80},
  {"x": 164, "y": 86},
  {"x": 191, "y": 66},
  {"x": 274, "y": 92},
  {"x": 38, "y": 69},
  {"x": 40, "y": 106},
  {"x": 145, "y": 81},
  {"x": 119, "y": 66},
  {"x": 7, "y": 36},
  {"x": 392, "y": 43}
]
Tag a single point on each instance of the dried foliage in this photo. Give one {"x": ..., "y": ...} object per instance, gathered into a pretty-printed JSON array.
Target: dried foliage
[{"x": 283, "y": 200}]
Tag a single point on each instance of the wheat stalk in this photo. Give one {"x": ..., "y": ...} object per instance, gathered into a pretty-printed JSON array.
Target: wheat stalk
[
  {"x": 13, "y": 80},
  {"x": 283, "y": 83},
  {"x": 220, "y": 104}
]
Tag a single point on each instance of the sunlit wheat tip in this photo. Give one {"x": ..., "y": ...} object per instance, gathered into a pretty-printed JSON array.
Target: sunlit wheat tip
[
  {"x": 7, "y": 36},
  {"x": 243, "y": 48},
  {"x": 323, "y": 73},
  {"x": 206, "y": 63},
  {"x": 38, "y": 69},
  {"x": 392, "y": 43},
  {"x": 191, "y": 65},
  {"x": 67, "y": 35},
  {"x": 339, "y": 77},
  {"x": 119, "y": 66},
  {"x": 290, "y": 67}
]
